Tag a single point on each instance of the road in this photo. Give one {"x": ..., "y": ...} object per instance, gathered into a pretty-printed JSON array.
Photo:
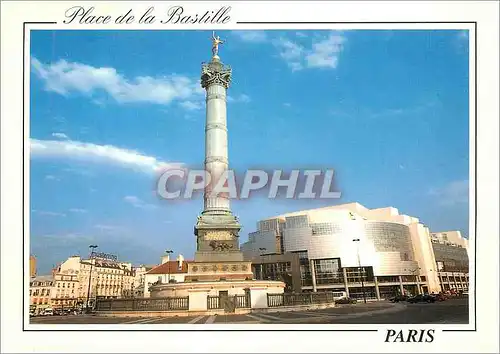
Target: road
[{"x": 453, "y": 311}]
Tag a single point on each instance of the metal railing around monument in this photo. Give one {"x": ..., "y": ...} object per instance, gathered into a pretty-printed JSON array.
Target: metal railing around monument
[
  {"x": 239, "y": 301},
  {"x": 154, "y": 304},
  {"x": 277, "y": 300}
]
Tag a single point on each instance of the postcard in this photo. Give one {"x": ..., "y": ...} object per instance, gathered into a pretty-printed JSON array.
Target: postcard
[{"x": 217, "y": 177}]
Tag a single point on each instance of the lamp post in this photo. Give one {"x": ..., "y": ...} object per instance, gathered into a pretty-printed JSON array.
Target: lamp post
[
  {"x": 91, "y": 247},
  {"x": 357, "y": 240},
  {"x": 168, "y": 265}
]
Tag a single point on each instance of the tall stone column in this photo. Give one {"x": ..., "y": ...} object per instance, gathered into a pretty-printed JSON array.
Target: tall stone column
[
  {"x": 215, "y": 79},
  {"x": 217, "y": 228}
]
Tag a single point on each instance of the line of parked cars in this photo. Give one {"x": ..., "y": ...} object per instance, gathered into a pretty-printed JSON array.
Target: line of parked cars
[
  {"x": 55, "y": 312},
  {"x": 428, "y": 298}
]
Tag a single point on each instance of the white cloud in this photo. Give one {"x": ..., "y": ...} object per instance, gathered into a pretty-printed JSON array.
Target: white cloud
[
  {"x": 323, "y": 52},
  {"x": 191, "y": 105},
  {"x": 78, "y": 210},
  {"x": 60, "y": 135},
  {"x": 291, "y": 52},
  {"x": 138, "y": 203},
  {"x": 96, "y": 153},
  {"x": 109, "y": 228},
  {"x": 455, "y": 192},
  {"x": 251, "y": 36},
  {"x": 52, "y": 178},
  {"x": 65, "y": 77},
  {"x": 241, "y": 98},
  {"x": 287, "y": 104},
  {"x": 48, "y": 213}
]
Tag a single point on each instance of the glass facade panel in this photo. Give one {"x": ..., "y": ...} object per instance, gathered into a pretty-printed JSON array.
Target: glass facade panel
[
  {"x": 355, "y": 275},
  {"x": 390, "y": 237},
  {"x": 325, "y": 228},
  {"x": 328, "y": 271},
  {"x": 299, "y": 221},
  {"x": 450, "y": 258},
  {"x": 388, "y": 279}
]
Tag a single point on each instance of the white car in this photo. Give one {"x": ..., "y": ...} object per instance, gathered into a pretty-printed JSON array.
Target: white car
[{"x": 48, "y": 312}]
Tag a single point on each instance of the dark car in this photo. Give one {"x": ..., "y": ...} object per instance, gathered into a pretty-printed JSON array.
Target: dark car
[
  {"x": 421, "y": 298},
  {"x": 345, "y": 300},
  {"x": 399, "y": 298}
]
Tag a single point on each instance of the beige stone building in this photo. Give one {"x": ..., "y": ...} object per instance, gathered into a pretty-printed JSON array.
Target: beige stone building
[
  {"x": 109, "y": 279},
  {"x": 349, "y": 247},
  {"x": 139, "y": 280},
  {"x": 65, "y": 292},
  {"x": 40, "y": 292},
  {"x": 32, "y": 266}
]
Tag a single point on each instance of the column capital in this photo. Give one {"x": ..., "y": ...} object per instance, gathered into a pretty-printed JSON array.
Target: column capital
[{"x": 215, "y": 73}]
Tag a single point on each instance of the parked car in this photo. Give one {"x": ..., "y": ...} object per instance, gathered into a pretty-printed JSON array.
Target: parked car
[
  {"x": 421, "y": 298},
  {"x": 440, "y": 297},
  {"x": 345, "y": 300},
  {"x": 48, "y": 312},
  {"x": 399, "y": 298}
]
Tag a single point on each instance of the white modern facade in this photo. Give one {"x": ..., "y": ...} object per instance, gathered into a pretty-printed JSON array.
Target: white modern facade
[
  {"x": 451, "y": 251},
  {"x": 341, "y": 245}
]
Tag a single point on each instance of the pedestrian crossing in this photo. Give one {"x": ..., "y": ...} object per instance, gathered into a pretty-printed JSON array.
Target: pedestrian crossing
[
  {"x": 210, "y": 319},
  {"x": 196, "y": 319},
  {"x": 249, "y": 318},
  {"x": 257, "y": 317},
  {"x": 144, "y": 320}
]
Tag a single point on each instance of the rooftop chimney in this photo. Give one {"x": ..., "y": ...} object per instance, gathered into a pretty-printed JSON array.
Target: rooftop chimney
[
  {"x": 180, "y": 259},
  {"x": 165, "y": 258}
]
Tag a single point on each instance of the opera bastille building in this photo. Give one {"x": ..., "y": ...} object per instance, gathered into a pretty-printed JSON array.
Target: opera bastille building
[{"x": 352, "y": 249}]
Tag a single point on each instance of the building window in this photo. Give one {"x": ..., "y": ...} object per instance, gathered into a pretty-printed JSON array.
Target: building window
[
  {"x": 356, "y": 274},
  {"x": 328, "y": 271},
  {"x": 388, "y": 279}
]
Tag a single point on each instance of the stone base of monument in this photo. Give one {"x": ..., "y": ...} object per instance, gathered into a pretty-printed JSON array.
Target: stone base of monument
[{"x": 206, "y": 296}]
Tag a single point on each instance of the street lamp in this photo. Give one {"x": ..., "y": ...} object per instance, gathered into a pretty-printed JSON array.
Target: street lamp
[
  {"x": 91, "y": 247},
  {"x": 357, "y": 240},
  {"x": 168, "y": 265}
]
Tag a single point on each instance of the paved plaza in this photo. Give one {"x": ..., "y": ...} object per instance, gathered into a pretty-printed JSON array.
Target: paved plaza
[{"x": 452, "y": 311}]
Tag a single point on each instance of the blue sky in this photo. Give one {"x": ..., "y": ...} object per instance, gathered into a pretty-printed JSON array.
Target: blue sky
[{"x": 388, "y": 110}]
